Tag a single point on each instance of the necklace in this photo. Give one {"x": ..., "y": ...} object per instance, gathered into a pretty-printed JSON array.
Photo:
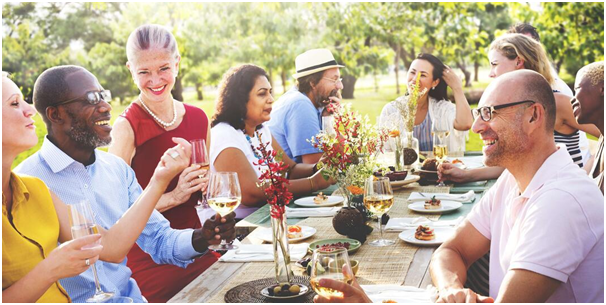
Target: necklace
[
  {"x": 164, "y": 124},
  {"x": 252, "y": 146}
]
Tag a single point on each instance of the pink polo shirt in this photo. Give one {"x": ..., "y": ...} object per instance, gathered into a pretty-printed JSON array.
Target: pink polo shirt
[{"x": 555, "y": 228}]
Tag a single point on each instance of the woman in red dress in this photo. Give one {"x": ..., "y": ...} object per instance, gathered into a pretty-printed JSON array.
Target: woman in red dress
[{"x": 142, "y": 133}]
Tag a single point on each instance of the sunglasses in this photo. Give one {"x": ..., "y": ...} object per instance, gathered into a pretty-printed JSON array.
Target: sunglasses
[
  {"x": 486, "y": 112},
  {"x": 91, "y": 97}
]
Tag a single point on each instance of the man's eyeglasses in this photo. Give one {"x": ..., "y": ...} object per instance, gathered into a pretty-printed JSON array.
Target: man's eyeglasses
[
  {"x": 486, "y": 112},
  {"x": 335, "y": 81},
  {"x": 91, "y": 97}
]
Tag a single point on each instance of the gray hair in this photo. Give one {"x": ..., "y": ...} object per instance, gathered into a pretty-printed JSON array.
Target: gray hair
[{"x": 150, "y": 36}]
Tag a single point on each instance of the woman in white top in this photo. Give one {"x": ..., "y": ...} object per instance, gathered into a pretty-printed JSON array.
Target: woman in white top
[
  {"x": 243, "y": 105},
  {"x": 434, "y": 104}
]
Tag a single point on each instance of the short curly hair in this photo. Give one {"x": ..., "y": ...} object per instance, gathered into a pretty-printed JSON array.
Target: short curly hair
[{"x": 233, "y": 95}]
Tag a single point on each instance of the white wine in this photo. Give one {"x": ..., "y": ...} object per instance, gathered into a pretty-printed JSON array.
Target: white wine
[
  {"x": 223, "y": 205},
  {"x": 329, "y": 292},
  {"x": 205, "y": 166},
  {"x": 378, "y": 204},
  {"x": 440, "y": 151},
  {"x": 84, "y": 230}
]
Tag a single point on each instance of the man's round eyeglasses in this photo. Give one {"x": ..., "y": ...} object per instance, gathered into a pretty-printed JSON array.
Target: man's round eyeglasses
[
  {"x": 91, "y": 97},
  {"x": 486, "y": 112},
  {"x": 335, "y": 81}
]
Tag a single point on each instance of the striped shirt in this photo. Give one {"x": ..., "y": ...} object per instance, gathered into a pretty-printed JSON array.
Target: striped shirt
[
  {"x": 110, "y": 186},
  {"x": 572, "y": 145},
  {"x": 423, "y": 133}
]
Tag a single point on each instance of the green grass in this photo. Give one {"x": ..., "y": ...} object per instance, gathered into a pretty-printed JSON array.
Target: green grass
[{"x": 366, "y": 101}]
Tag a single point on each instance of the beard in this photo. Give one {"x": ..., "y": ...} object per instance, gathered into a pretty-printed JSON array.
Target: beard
[
  {"x": 323, "y": 100},
  {"x": 510, "y": 149},
  {"x": 84, "y": 135}
]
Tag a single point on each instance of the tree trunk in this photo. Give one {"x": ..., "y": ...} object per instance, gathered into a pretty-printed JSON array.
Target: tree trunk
[
  {"x": 396, "y": 62},
  {"x": 199, "y": 91},
  {"x": 467, "y": 74},
  {"x": 177, "y": 91},
  {"x": 349, "y": 83},
  {"x": 283, "y": 76},
  {"x": 476, "y": 69}
]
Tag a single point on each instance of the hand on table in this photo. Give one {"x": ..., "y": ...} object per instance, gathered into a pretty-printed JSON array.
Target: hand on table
[
  {"x": 462, "y": 296},
  {"x": 213, "y": 230}
]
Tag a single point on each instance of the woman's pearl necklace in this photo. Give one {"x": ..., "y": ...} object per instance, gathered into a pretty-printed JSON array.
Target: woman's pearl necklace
[{"x": 164, "y": 124}]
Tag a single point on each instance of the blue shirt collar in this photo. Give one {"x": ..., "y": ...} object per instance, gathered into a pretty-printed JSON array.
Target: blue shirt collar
[{"x": 56, "y": 159}]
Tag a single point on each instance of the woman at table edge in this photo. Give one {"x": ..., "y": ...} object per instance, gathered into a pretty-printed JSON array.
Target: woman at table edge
[
  {"x": 244, "y": 103},
  {"x": 41, "y": 263}
]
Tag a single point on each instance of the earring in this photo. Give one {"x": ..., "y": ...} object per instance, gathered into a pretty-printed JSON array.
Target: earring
[{"x": 433, "y": 88}]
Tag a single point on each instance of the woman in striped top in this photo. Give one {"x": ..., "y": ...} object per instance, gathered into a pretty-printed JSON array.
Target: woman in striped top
[{"x": 434, "y": 105}]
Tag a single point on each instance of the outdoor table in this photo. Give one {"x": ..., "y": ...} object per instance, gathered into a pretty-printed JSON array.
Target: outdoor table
[{"x": 400, "y": 264}]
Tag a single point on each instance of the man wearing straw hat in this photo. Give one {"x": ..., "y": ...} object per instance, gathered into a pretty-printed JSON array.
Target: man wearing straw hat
[{"x": 298, "y": 116}]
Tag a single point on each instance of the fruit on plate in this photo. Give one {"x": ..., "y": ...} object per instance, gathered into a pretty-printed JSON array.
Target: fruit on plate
[
  {"x": 433, "y": 204},
  {"x": 294, "y": 232},
  {"x": 284, "y": 290},
  {"x": 424, "y": 233}
]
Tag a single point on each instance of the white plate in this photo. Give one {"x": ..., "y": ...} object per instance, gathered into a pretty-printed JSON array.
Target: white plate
[
  {"x": 469, "y": 162},
  {"x": 309, "y": 201},
  {"x": 409, "y": 179},
  {"x": 442, "y": 234},
  {"x": 265, "y": 234},
  {"x": 265, "y": 293},
  {"x": 447, "y": 206}
]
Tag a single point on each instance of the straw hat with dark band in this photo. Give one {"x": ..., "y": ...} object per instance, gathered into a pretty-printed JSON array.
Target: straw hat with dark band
[{"x": 313, "y": 61}]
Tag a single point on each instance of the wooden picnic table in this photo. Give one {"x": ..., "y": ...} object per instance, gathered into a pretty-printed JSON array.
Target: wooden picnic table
[{"x": 402, "y": 263}]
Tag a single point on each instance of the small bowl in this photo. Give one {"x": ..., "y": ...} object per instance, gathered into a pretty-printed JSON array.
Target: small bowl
[{"x": 355, "y": 264}]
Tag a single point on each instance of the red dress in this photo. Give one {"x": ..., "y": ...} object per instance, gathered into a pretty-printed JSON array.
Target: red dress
[{"x": 159, "y": 283}]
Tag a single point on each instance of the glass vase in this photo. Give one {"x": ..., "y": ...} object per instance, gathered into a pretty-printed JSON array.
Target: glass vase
[
  {"x": 396, "y": 145},
  {"x": 284, "y": 274},
  {"x": 410, "y": 151}
]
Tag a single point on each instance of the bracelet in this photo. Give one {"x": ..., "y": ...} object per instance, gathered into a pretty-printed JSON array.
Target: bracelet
[{"x": 311, "y": 182}]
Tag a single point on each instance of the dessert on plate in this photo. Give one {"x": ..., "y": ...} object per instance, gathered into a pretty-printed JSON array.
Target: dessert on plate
[
  {"x": 424, "y": 233},
  {"x": 320, "y": 198},
  {"x": 294, "y": 232},
  {"x": 433, "y": 204}
]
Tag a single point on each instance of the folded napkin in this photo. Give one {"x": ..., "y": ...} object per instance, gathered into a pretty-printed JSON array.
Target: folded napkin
[
  {"x": 311, "y": 212},
  {"x": 401, "y": 224},
  {"x": 400, "y": 294},
  {"x": 261, "y": 253},
  {"x": 416, "y": 196}
]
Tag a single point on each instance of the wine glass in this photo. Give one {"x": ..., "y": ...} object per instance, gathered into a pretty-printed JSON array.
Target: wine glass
[
  {"x": 224, "y": 197},
  {"x": 82, "y": 223},
  {"x": 328, "y": 125},
  {"x": 440, "y": 144},
  {"x": 199, "y": 155},
  {"x": 378, "y": 199},
  {"x": 330, "y": 263}
]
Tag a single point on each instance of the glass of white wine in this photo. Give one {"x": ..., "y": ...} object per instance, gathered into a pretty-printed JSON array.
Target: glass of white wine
[
  {"x": 82, "y": 223},
  {"x": 224, "y": 197},
  {"x": 378, "y": 199},
  {"x": 199, "y": 156},
  {"x": 440, "y": 145},
  {"x": 330, "y": 263}
]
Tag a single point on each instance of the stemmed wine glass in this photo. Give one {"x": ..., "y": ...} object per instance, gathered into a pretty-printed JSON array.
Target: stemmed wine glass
[
  {"x": 378, "y": 199},
  {"x": 82, "y": 224},
  {"x": 331, "y": 263},
  {"x": 440, "y": 143},
  {"x": 199, "y": 155},
  {"x": 224, "y": 197}
]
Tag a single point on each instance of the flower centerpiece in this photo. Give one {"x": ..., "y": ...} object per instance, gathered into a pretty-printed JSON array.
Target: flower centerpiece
[
  {"x": 274, "y": 183},
  {"x": 407, "y": 108},
  {"x": 350, "y": 157}
]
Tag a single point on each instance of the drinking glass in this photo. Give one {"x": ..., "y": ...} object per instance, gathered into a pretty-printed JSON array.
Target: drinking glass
[
  {"x": 224, "y": 197},
  {"x": 199, "y": 155},
  {"x": 328, "y": 125},
  {"x": 378, "y": 199},
  {"x": 330, "y": 263},
  {"x": 82, "y": 223},
  {"x": 440, "y": 144}
]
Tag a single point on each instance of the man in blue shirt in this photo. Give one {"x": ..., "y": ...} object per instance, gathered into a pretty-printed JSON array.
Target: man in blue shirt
[
  {"x": 298, "y": 114},
  {"x": 72, "y": 104}
]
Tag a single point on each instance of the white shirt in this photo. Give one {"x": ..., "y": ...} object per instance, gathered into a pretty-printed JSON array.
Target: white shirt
[{"x": 554, "y": 228}]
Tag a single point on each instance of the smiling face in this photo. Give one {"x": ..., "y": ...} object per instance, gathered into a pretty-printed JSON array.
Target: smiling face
[
  {"x": 154, "y": 72},
  {"x": 329, "y": 85},
  {"x": 260, "y": 100},
  {"x": 503, "y": 143},
  {"x": 18, "y": 129},
  {"x": 426, "y": 81},
  {"x": 88, "y": 124},
  {"x": 500, "y": 64},
  {"x": 588, "y": 102}
]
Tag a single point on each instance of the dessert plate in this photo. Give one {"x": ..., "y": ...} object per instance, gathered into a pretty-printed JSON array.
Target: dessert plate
[
  {"x": 309, "y": 201},
  {"x": 266, "y": 234},
  {"x": 447, "y": 206},
  {"x": 354, "y": 245},
  {"x": 442, "y": 234}
]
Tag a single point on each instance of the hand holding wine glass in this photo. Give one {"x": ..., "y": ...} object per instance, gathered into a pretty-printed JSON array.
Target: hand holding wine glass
[
  {"x": 200, "y": 158},
  {"x": 330, "y": 265},
  {"x": 224, "y": 196},
  {"x": 378, "y": 199},
  {"x": 69, "y": 259},
  {"x": 82, "y": 223}
]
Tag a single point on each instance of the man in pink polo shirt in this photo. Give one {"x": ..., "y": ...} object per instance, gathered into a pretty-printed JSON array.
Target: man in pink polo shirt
[{"x": 543, "y": 221}]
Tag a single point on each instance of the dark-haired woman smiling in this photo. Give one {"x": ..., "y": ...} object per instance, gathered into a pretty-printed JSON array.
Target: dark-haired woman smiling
[
  {"x": 244, "y": 104},
  {"x": 434, "y": 105}
]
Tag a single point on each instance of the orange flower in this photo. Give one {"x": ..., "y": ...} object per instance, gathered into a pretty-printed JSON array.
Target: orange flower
[
  {"x": 394, "y": 133},
  {"x": 355, "y": 190}
]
